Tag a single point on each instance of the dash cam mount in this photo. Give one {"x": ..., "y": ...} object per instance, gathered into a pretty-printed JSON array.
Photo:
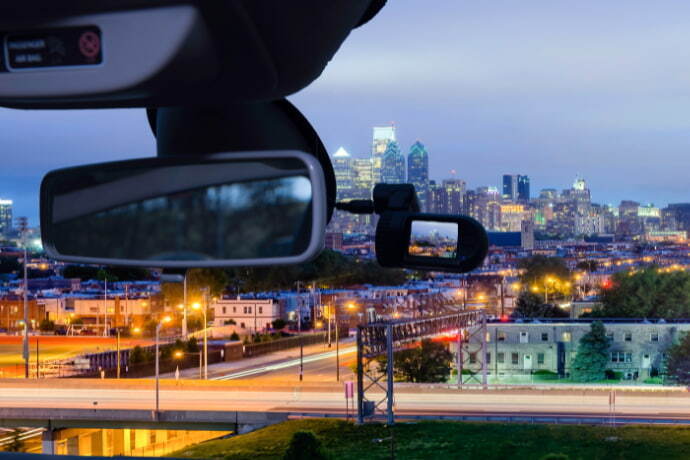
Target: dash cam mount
[{"x": 410, "y": 239}]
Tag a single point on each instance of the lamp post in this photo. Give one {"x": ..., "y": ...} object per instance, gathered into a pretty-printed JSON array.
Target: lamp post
[
  {"x": 158, "y": 331},
  {"x": 23, "y": 225},
  {"x": 337, "y": 344},
  {"x": 328, "y": 307},
  {"x": 197, "y": 306},
  {"x": 118, "y": 351},
  {"x": 184, "y": 307}
]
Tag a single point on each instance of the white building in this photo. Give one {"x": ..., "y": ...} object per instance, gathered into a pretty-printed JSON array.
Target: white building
[{"x": 249, "y": 315}]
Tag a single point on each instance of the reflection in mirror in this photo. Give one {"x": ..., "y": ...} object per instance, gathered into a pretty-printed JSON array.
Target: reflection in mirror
[
  {"x": 171, "y": 214},
  {"x": 433, "y": 239}
]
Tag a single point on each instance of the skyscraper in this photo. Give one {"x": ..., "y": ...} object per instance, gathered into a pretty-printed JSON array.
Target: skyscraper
[
  {"x": 363, "y": 182},
  {"x": 393, "y": 165},
  {"x": 515, "y": 187},
  {"x": 523, "y": 188},
  {"x": 5, "y": 217},
  {"x": 510, "y": 187},
  {"x": 344, "y": 177},
  {"x": 447, "y": 198},
  {"x": 383, "y": 135},
  {"x": 418, "y": 172}
]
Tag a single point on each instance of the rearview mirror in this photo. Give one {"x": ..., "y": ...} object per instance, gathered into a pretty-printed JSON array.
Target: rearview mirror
[{"x": 260, "y": 208}]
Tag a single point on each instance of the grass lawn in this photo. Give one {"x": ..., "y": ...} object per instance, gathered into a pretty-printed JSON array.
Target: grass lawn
[{"x": 440, "y": 440}]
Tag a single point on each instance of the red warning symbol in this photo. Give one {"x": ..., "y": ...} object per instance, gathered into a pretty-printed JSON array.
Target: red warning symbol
[{"x": 90, "y": 44}]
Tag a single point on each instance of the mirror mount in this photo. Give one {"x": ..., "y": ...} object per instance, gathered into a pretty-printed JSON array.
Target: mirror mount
[{"x": 262, "y": 126}]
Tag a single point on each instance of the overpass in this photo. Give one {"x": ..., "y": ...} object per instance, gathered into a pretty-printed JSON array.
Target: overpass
[{"x": 60, "y": 406}]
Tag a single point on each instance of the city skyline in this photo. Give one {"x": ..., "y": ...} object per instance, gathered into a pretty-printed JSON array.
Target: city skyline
[{"x": 575, "y": 96}]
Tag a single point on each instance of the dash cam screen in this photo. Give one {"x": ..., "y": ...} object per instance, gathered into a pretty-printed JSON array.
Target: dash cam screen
[{"x": 433, "y": 239}]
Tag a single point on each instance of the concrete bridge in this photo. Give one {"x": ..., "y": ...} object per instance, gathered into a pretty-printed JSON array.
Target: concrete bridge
[{"x": 120, "y": 431}]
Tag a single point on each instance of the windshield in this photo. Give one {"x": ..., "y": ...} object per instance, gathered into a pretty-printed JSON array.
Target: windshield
[{"x": 563, "y": 128}]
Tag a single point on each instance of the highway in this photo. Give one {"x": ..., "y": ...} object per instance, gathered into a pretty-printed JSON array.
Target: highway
[
  {"x": 318, "y": 367},
  {"x": 329, "y": 399}
]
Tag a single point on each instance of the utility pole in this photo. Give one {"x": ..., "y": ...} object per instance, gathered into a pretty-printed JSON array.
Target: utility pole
[
  {"x": 126, "y": 305},
  {"x": 329, "y": 326},
  {"x": 23, "y": 224},
  {"x": 118, "y": 352},
  {"x": 106, "y": 332},
  {"x": 184, "y": 307},
  {"x": 503, "y": 302},
  {"x": 206, "y": 294},
  {"x": 299, "y": 307},
  {"x": 337, "y": 347}
]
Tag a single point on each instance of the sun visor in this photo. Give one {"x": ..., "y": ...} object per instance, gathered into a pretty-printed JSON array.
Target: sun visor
[{"x": 132, "y": 53}]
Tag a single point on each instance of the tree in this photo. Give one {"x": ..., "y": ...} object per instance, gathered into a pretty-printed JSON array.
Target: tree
[
  {"x": 541, "y": 272},
  {"x": 428, "y": 363},
  {"x": 192, "y": 345},
  {"x": 330, "y": 268},
  {"x": 592, "y": 355},
  {"x": 278, "y": 323},
  {"x": 304, "y": 445},
  {"x": 530, "y": 305},
  {"x": 678, "y": 361},
  {"x": 84, "y": 272},
  {"x": 9, "y": 265},
  {"x": 587, "y": 265},
  {"x": 649, "y": 293},
  {"x": 234, "y": 336},
  {"x": 198, "y": 279},
  {"x": 105, "y": 275},
  {"x": 46, "y": 325},
  {"x": 137, "y": 355}
]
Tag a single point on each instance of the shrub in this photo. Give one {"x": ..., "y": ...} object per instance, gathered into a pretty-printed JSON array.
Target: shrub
[
  {"x": 610, "y": 374},
  {"x": 46, "y": 325},
  {"x": 278, "y": 323},
  {"x": 555, "y": 456},
  {"x": 234, "y": 336},
  {"x": 137, "y": 355},
  {"x": 192, "y": 345},
  {"x": 304, "y": 446}
]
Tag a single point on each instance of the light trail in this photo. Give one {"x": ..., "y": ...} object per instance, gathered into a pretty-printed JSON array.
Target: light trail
[{"x": 283, "y": 365}]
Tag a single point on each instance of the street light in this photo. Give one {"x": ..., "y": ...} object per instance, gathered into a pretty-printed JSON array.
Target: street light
[
  {"x": 197, "y": 306},
  {"x": 166, "y": 319}
]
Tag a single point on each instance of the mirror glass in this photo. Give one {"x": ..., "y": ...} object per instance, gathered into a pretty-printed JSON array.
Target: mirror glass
[
  {"x": 433, "y": 239},
  {"x": 156, "y": 211}
]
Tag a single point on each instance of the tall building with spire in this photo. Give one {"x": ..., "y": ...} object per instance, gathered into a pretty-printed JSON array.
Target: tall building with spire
[
  {"x": 383, "y": 136},
  {"x": 418, "y": 172},
  {"x": 344, "y": 174},
  {"x": 393, "y": 165}
]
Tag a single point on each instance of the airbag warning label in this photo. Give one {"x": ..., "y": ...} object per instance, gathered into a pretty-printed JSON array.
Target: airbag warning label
[{"x": 68, "y": 47}]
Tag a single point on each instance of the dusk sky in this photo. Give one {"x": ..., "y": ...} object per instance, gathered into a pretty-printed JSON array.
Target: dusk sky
[{"x": 543, "y": 88}]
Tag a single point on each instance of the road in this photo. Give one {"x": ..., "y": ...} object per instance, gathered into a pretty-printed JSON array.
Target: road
[
  {"x": 317, "y": 367},
  {"x": 329, "y": 399}
]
